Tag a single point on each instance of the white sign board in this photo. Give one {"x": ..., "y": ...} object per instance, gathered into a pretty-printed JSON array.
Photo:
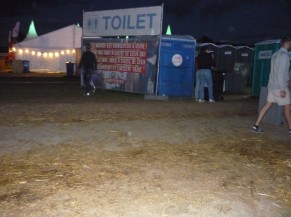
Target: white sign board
[
  {"x": 125, "y": 22},
  {"x": 265, "y": 54}
]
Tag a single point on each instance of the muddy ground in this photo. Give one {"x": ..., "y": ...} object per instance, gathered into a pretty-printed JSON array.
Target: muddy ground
[{"x": 116, "y": 154}]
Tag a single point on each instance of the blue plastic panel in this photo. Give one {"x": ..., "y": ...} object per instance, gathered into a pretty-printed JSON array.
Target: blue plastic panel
[{"x": 176, "y": 79}]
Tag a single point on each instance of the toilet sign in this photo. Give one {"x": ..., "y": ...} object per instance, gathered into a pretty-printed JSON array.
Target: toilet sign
[
  {"x": 134, "y": 21},
  {"x": 265, "y": 54},
  {"x": 177, "y": 60}
]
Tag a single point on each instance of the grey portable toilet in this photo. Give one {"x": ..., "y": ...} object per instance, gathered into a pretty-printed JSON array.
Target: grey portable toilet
[
  {"x": 244, "y": 54},
  {"x": 240, "y": 78},
  {"x": 176, "y": 66},
  {"x": 244, "y": 61},
  {"x": 225, "y": 58}
]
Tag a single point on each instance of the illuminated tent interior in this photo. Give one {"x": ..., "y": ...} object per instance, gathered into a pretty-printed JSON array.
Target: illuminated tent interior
[
  {"x": 169, "y": 31},
  {"x": 50, "y": 52},
  {"x": 31, "y": 31}
]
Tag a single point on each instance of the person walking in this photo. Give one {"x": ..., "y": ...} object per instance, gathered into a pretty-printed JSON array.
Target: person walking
[
  {"x": 279, "y": 80},
  {"x": 205, "y": 64},
  {"x": 88, "y": 63}
]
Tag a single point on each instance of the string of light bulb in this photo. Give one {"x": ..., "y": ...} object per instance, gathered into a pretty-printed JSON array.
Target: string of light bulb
[{"x": 50, "y": 54}]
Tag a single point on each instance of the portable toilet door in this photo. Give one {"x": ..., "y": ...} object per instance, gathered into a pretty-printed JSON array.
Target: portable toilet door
[
  {"x": 244, "y": 61},
  {"x": 176, "y": 66},
  {"x": 262, "y": 63},
  {"x": 225, "y": 58}
]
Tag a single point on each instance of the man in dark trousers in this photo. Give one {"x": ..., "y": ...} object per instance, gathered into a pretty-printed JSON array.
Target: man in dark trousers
[
  {"x": 89, "y": 63},
  {"x": 205, "y": 64}
]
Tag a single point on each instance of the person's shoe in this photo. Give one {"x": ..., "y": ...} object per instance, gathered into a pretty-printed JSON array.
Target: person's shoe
[
  {"x": 257, "y": 129},
  {"x": 211, "y": 100},
  {"x": 87, "y": 93},
  {"x": 201, "y": 100}
]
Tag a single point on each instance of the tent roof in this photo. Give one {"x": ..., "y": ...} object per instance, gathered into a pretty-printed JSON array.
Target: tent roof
[
  {"x": 67, "y": 37},
  {"x": 169, "y": 31},
  {"x": 31, "y": 31}
]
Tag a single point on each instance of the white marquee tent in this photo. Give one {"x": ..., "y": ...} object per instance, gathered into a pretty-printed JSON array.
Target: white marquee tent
[{"x": 50, "y": 52}]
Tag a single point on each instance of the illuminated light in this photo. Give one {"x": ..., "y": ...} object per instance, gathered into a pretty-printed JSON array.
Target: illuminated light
[
  {"x": 33, "y": 53},
  {"x": 68, "y": 51},
  {"x": 63, "y": 52},
  {"x": 73, "y": 51},
  {"x": 51, "y": 54},
  {"x": 57, "y": 54},
  {"x": 13, "y": 49},
  {"x": 38, "y": 54},
  {"x": 31, "y": 31},
  {"x": 20, "y": 51},
  {"x": 26, "y": 51},
  {"x": 169, "y": 31},
  {"x": 44, "y": 54}
]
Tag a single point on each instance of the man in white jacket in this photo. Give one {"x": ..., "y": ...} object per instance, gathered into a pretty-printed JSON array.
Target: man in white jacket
[{"x": 278, "y": 85}]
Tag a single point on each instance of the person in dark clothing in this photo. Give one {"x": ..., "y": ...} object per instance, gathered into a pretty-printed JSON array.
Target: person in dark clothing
[
  {"x": 205, "y": 64},
  {"x": 89, "y": 63}
]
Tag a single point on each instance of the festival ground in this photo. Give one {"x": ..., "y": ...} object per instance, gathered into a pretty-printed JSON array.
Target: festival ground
[{"x": 117, "y": 154}]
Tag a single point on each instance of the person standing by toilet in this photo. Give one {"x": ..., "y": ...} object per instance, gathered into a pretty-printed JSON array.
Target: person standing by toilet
[
  {"x": 205, "y": 64},
  {"x": 89, "y": 63}
]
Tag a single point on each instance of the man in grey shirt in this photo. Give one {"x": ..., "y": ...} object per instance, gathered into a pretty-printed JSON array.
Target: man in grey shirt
[{"x": 278, "y": 85}]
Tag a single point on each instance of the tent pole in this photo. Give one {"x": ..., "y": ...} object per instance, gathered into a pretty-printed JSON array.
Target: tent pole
[{"x": 159, "y": 51}]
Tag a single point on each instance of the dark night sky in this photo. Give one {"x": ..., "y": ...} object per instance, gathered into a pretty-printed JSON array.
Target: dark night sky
[{"x": 229, "y": 21}]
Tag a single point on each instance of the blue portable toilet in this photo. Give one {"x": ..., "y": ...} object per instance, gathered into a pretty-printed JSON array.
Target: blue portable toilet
[{"x": 176, "y": 66}]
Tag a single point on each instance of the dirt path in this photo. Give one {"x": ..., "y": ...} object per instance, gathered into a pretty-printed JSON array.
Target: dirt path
[{"x": 116, "y": 154}]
